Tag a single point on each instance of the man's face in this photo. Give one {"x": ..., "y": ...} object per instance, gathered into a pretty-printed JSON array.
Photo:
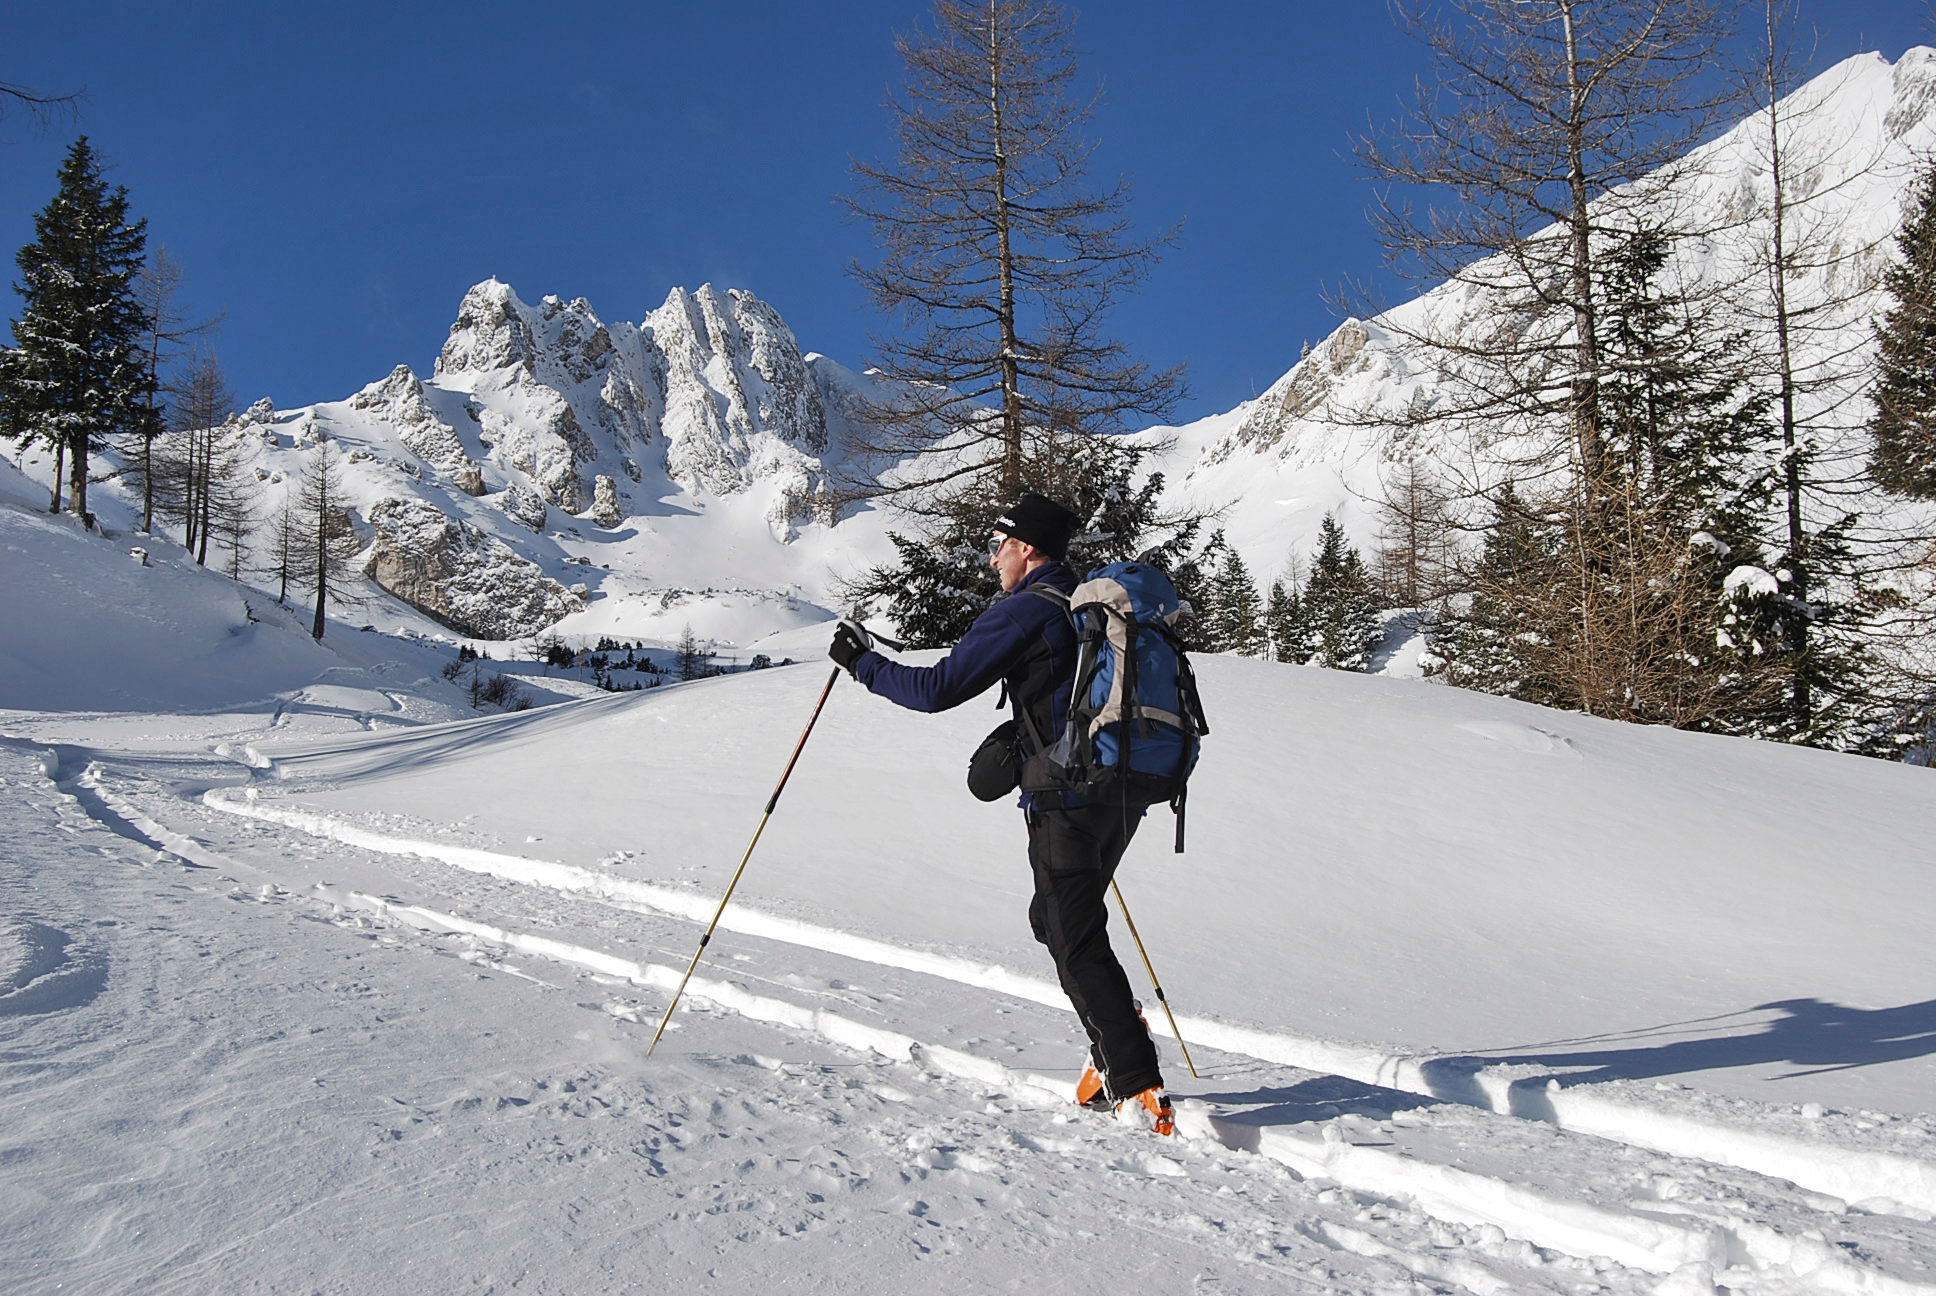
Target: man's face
[{"x": 1009, "y": 557}]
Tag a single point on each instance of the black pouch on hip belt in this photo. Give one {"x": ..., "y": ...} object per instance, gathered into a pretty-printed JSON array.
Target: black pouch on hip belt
[{"x": 995, "y": 770}]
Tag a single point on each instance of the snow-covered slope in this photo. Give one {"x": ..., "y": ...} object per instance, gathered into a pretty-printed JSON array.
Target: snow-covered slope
[
  {"x": 306, "y": 984},
  {"x": 1483, "y": 998}
]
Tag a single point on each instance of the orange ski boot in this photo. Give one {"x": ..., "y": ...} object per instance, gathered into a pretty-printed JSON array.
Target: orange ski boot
[
  {"x": 1150, "y": 1109},
  {"x": 1091, "y": 1091}
]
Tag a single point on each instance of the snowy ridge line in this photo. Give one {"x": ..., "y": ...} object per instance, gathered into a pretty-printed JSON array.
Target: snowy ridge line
[
  {"x": 1581, "y": 1229},
  {"x": 1883, "y": 1182}
]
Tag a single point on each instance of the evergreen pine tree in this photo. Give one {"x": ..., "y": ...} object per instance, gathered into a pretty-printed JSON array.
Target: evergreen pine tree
[
  {"x": 76, "y": 373},
  {"x": 1653, "y": 593},
  {"x": 1904, "y": 424},
  {"x": 1240, "y": 612},
  {"x": 939, "y": 585},
  {"x": 1285, "y": 625},
  {"x": 1207, "y": 629},
  {"x": 1494, "y": 642},
  {"x": 941, "y": 581},
  {"x": 1676, "y": 620},
  {"x": 1123, "y": 518},
  {"x": 1340, "y": 606}
]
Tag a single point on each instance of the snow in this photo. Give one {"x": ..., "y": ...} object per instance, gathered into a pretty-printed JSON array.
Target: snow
[
  {"x": 1751, "y": 581},
  {"x": 312, "y": 978}
]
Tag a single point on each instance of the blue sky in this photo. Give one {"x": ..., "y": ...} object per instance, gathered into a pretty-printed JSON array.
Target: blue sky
[{"x": 334, "y": 176}]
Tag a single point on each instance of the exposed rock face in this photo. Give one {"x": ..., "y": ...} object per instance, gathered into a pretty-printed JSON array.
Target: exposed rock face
[
  {"x": 457, "y": 574},
  {"x": 711, "y": 389},
  {"x": 535, "y": 407},
  {"x": 522, "y": 504},
  {"x": 491, "y": 332},
  {"x": 1302, "y": 393},
  {"x": 1914, "y": 83},
  {"x": 542, "y": 441},
  {"x": 737, "y": 389},
  {"x": 400, "y": 401},
  {"x": 605, "y": 509}
]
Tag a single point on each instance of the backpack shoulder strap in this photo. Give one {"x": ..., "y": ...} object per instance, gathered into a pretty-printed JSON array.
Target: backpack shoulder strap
[
  {"x": 1058, "y": 597},
  {"x": 1061, "y": 599}
]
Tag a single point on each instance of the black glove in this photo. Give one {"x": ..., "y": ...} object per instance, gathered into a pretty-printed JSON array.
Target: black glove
[{"x": 850, "y": 641}]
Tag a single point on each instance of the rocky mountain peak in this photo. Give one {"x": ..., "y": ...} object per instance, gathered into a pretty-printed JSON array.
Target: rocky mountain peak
[{"x": 492, "y": 331}]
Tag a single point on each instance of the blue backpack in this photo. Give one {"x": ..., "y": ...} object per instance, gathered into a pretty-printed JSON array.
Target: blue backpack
[{"x": 1135, "y": 721}]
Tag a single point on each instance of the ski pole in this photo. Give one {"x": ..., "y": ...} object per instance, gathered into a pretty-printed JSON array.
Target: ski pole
[
  {"x": 770, "y": 803},
  {"x": 1131, "y": 922}
]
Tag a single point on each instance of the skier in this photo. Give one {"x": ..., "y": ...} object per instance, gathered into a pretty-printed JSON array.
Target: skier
[{"x": 1030, "y": 646}]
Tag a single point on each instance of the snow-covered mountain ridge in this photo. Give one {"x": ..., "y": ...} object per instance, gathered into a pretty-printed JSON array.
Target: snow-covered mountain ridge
[
  {"x": 614, "y": 477},
  {"x": 1855, "y": 137}
]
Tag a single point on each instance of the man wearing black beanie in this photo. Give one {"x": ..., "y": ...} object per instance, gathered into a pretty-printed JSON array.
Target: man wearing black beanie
[{"x": 1029, "y": 644}]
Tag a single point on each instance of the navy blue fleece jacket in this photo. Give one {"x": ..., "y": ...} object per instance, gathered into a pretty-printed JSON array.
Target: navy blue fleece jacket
[{"x": 994, "y": 648}]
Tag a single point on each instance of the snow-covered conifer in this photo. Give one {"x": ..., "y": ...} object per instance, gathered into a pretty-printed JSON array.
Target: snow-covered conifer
[
  {"x": 76, "y": 374},
  {"x": 1241, "y": 611},
  {"x": 1285, "y": 625},
  {"x": 1904, "y": 424},
  {"x": 1340, "y": 606}
]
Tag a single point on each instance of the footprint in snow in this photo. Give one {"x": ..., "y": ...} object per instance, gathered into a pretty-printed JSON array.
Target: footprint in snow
[
  {"x": 44, "y": 969},
  {"x": 1525, "y": 738}
]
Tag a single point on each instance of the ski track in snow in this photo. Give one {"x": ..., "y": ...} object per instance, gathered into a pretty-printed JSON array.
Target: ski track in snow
[
  {"x": 1880, "y": 1180},
  {"x": 797, "y": 1148},
  {"x": 1383, "y": 1173}
]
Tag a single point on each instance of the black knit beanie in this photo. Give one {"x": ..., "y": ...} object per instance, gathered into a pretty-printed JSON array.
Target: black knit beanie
[{"x": 1040, "y": 521}]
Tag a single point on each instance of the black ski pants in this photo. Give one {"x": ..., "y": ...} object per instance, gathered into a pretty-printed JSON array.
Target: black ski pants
[{"x": 1074, "y": 854}]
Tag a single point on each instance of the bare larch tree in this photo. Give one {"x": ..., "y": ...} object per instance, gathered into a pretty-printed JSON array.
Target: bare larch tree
[
  {"x": 322, "y": 506},
  {"x": 1552, "y": 126},
  {"x": 998, "y": 262}
]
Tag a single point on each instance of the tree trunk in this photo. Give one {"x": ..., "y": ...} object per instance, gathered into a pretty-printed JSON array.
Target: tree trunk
[
  {"x": 1012, "y": 415},
  {"x": 323, "y": 497},
  {"x": 148, "y": 483},
  {"x": 1800, "y": 703},
  {"x": 77, "y": 480},
  {"x": 205, "y": 524},
  {"x": 1586, "y": 378}
]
